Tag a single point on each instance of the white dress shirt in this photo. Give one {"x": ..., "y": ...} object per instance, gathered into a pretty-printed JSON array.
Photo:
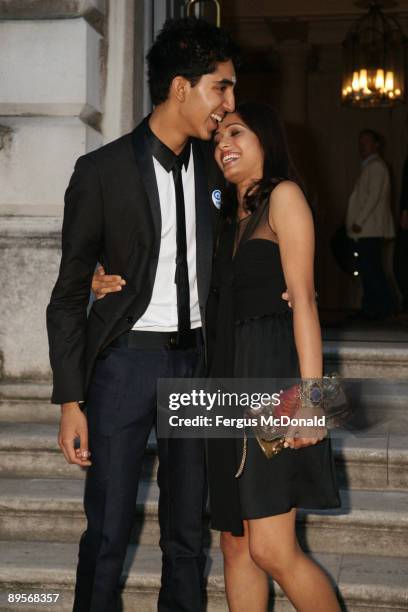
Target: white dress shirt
[
  {"x": 161, "y": 314},
  {"x": 370, "y": 203}
]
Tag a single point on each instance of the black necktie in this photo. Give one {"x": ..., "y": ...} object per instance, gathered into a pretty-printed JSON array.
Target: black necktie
[{"x": 181, "y": 279}]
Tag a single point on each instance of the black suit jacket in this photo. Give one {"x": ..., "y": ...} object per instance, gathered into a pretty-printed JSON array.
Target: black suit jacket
[{"x": 112, "y": 215}]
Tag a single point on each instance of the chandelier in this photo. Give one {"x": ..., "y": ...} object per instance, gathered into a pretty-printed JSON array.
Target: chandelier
[
  {"x": 205, "y": 9},
  {"x": 374, "y": 61}
]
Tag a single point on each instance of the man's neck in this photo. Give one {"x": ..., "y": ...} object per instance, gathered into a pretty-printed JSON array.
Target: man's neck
[
  {"x": 164, "y": 126},
  {"x": 369, "y": 158}
]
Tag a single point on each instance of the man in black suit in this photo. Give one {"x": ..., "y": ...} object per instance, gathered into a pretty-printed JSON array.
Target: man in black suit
[{"x": 141, "y": 206}]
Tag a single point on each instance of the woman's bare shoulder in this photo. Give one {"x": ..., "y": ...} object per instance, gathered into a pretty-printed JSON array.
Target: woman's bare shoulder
[{"x": 287, "y": 197}]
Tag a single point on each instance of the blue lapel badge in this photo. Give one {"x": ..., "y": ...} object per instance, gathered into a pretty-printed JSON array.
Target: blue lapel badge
[{"x": 216, "y": 198}]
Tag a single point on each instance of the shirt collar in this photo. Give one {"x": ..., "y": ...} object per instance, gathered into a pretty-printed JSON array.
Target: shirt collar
[
  {"x": 165, "y": 156},
  {"x": 368, "y": 159}
]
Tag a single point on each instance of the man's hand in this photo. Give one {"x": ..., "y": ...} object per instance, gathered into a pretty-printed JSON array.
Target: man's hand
[
  {"x": 404, "y": 220},
  {"x": 356, "y": 228},
  {"x": 106, "y": 283},
  {"x": 73, "y": 425},
  {"x": 286, "y": 297},
  {"x": 300, "y": 436}
]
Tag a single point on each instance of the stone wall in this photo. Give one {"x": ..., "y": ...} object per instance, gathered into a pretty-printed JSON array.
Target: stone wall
[
  {"x": 52, "y": 91},
  {"x": 72, "y": 77}
]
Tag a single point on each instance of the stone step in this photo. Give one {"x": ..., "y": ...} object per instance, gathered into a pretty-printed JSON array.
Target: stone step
[
  {"x": 28, "y": 411},
  {"x": 379, "y": 405},
  {"x": 366, "y": 394},
  {"x": 372, "y": 399},
  {"x": 369, "y": 408},
  {"x": 25, "y": 390},
  {"x": 365, "y": 583},
  {"x": 31, "y": 449},
  {"x": 358, "y": 359},
  {"x": 375, "y": 461},
  {"x": 27, "y": 402},
  {"x": 369, "y": 522}
]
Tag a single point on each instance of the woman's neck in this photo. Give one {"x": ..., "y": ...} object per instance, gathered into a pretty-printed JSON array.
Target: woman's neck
[
  {"x": 242, "y": 188},
  {"x": 241, "y": 212}
]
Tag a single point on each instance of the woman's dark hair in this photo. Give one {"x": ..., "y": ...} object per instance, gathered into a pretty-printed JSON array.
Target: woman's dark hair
[
  {"x": 266, "y": 124},
  {"x": 187, "y": 47}
]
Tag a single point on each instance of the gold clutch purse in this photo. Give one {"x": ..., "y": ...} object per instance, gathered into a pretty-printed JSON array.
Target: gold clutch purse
[{"x": 326, "y": 393}]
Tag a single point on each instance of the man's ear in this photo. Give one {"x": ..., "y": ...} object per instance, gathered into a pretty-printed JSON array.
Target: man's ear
[{"x": 179, "y": 88}]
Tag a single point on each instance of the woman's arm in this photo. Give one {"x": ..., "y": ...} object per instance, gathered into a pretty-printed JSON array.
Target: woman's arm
[{"x": 291, "y": 219}]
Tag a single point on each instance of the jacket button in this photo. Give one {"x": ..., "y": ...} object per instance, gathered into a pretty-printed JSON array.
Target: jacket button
[{"x": 129, "y": 320}]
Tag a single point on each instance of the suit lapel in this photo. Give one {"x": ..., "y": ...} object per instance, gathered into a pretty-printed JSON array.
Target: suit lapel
[
  {"x": 204, "y": 221},
  {"x": 204, "y": 231},
  {"x": 145, "y": 163}
]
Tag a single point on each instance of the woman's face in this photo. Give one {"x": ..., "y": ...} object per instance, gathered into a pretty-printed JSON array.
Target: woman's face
[{"x": 238, "y": 151}]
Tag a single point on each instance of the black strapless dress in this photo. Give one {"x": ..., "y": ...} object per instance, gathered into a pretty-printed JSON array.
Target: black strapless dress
[{"x": 251, "y": 336}]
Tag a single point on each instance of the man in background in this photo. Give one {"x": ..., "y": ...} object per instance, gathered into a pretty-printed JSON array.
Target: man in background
[
  {"x": 401, "y": 249},
  {"x": 369, "y": 222}
]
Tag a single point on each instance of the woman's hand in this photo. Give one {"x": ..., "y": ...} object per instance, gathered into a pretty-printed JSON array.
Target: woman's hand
[
  {"x": 299, "y": 436},
  {"x": 102, "y": 283}
]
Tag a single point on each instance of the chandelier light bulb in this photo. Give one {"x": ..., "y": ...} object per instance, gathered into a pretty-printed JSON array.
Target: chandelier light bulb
[
  {"x": 363, "y": 79},
  {"x": 356, "y": 81},
  {"x": 379, "y": 79},
  {"x": 389, "y": 81}
]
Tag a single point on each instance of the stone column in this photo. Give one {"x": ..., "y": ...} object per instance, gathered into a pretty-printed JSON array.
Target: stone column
[
  {"x": 72, "y": 78},
  {"x": 293, "y": 55},
  {"x": 51, "y": 106}
]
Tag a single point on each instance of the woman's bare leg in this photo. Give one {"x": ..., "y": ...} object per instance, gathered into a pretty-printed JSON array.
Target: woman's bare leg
[
  {"x": 246, "y": 584},
  {"x": 274, "y": 548}
]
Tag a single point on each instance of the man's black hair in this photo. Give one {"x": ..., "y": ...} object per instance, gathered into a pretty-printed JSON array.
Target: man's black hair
[{"x": 187, "y": 47}]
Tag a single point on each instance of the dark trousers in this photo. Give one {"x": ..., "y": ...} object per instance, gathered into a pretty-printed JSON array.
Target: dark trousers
[
  {"x": 377, "y": 297},
  {"x": 401, "y": 265},
  {"x": 121, "y": 411}
]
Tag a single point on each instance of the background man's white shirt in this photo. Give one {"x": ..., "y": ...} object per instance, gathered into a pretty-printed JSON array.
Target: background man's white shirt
[{"x": 370, "y": 203}]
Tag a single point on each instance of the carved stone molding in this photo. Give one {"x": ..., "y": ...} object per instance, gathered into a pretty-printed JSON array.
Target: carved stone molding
[{"x": 93, "y": 11}]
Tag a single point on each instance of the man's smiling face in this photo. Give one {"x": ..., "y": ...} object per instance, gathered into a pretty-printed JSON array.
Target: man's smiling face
[{"x": 207, "y": 103}]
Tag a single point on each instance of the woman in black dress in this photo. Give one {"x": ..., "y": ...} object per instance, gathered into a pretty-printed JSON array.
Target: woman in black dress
[{"x": 265, "y": 244}]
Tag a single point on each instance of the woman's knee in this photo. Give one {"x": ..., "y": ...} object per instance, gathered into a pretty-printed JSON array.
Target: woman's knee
[
  {"x": 272, "y": 559},
  {"x": 233, "y": 547}
]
